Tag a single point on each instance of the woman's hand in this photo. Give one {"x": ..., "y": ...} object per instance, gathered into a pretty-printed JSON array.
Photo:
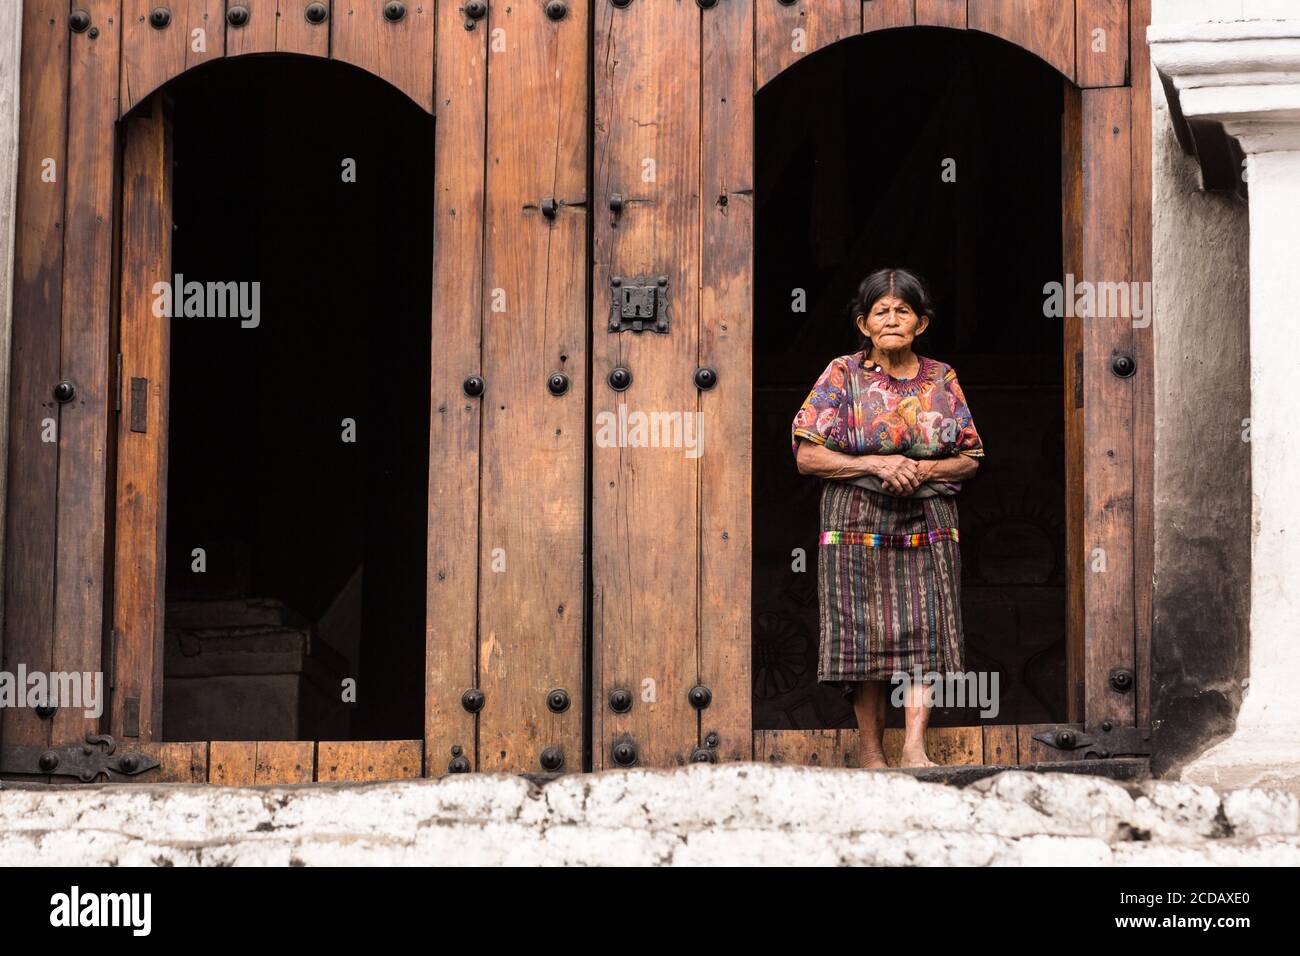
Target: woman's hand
[{"x": 899, "y": 474}]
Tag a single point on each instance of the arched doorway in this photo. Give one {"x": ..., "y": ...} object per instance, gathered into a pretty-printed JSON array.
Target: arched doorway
[
  {"x": 863, "y": 159},
  {"x": 273, "y": 458},
  {"x": 674, "y": 163}
]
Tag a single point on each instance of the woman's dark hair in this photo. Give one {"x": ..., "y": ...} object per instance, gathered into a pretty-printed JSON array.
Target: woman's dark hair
[{"x": 902, "y": 283}]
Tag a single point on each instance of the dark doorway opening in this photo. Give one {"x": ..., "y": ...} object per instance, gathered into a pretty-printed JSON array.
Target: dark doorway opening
[
  {"x": 851, "y": 149},
  {"x": 298, "y": 445}
]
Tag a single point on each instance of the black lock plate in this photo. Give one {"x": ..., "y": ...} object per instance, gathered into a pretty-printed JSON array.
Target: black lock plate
[{"x": 639, "y": 304}]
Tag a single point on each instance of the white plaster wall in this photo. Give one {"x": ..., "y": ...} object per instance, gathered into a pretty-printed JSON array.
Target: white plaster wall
[{"x": 1200, "y": 257}]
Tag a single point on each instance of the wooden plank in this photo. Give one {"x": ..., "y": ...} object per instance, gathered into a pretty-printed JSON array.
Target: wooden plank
[
  {"x": 1043, "y": 27},
  {"x": 645, "y": 544},
  {"x": 451, "y": 658},
  {"x": 786, "y": 34},
  {"x": 151, "y": 57},
  {"x": 11, "y": 57},
  {"x": 232, "y": 763},
  {"x": 1000, "y": 745},
  {"x": 1076, "y": 564},
  {"x": 85, "y": 335},
  {"x": 37, "y": 306},
  {"x": 808, "y": 748},
  {"x": 281, "y": 26},
  {"x": 1107, "y": 410},
  {"x": 887, "y": 14},
  {"x": 140, "y": 547},
  {"x": 359, "y": 760},
  {"x": 947, "y": 746},
  {"x": 284, "y": 761},
  {"x": 401, "y": 52},
  {"x": 726, "y": 346},
  {"x": 534, "y": 442},
  {"x": 257, "y": 35},
  {"x": 1035, "y": 751},
  {"x": 1144, "y": 438},
  {"x": 179, "y": 762},
  {"x": 1101, "y": 42},
  {"x": 295, "y": 34},
  {"x": 941, "y": 13}
]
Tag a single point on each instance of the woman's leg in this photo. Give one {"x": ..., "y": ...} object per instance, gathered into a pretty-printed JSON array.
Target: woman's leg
[
  {"x": 916, "y": 716},
  {"x": 869, "y": 705}
]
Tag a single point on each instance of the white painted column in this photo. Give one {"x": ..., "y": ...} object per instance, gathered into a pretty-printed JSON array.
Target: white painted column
[{"x": 1245, "y": 75}]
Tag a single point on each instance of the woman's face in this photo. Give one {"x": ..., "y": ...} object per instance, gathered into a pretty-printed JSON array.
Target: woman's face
[{"x": 891, "y": 324}]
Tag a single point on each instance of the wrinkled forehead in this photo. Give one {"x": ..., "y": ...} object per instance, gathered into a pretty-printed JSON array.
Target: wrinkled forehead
[{"x": 890, "y": 302}]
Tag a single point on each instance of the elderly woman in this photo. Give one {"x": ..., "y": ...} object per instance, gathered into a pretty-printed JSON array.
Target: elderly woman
[{"x": 890, "y": 432}]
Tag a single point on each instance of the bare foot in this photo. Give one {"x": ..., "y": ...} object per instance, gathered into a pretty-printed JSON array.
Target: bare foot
[
  {"x": 915, "y": 757},
  {"x": 875, "y": 763}
]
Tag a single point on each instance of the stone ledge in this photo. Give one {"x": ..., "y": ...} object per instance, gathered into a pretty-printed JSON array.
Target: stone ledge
[{"x": 753, "y": 814}]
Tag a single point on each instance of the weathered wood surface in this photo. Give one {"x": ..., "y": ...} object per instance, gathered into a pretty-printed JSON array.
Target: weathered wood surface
[
  {"x": 359, "y": 760},
  {"x": 139, "y": 581},
  {"x": 151, "y": 57},
  {"x": 354, "y": 31},
  {"x": 1076, "y": 565},
  {"x": 178, "y": 762},
  {"x": 37, "y": 305},
  {"x": 645, "y": 508},
  {"x": 401, "y": 52},
  {"x": 1144, "y": 415},
  {"x": 941, "y": 13},
  {"x": 294, "y": 33},
  {"x": 1107, "y": 410},
  {"x": 887, "y": 14},
  {"x": 1001, "y": 744},
  {"x": 232, "y": 763},
  {"x": 1043, "y": 27},
  {"x": 285, "y": 761},
  {"x": 534, "y": 442},
  {"x": 11, "y": 29},
  {"x": 455, "y": 419},
  {"x": 784, "y": 35},
  {"x": 250, "y": 763},
  {"x": 726, "y": 410},
  {"x": 84, "y": 335},
  {"x": 948, "y": 746},
  {"x": 258, "y": 34},
  {"x": 1102, "y": 42}
]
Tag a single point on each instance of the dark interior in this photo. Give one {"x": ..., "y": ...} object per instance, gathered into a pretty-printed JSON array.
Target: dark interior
[
  {"x": 315, "y": 546},
  {"x": 850, "y": 147}
]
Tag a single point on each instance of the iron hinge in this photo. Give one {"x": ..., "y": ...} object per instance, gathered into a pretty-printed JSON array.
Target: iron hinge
[
  {"x": 87, "y": 762},
  {"x": 1104, "y": 740}
]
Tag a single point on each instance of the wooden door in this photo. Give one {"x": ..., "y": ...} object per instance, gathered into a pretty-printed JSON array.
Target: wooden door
[
  {"x": 504, "y": 683},
  {"x": 670, "y": 524},
  {"x": 509, "y": 384},
  {"x": 139, "y": 580}
]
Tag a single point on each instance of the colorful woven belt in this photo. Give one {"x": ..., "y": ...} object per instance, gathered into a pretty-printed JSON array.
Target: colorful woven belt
[{"x": 872, "y": 540}]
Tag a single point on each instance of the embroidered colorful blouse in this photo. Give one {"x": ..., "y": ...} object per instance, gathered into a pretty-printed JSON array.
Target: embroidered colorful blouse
[{"x": 858, "y": 410}]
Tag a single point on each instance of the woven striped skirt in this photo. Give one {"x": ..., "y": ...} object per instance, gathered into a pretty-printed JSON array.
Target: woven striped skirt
[{"x": 889, "y": 579}]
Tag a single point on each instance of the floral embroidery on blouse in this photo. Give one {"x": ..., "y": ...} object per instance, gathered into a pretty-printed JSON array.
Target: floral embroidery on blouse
[{"x": 859, "y": 411}]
